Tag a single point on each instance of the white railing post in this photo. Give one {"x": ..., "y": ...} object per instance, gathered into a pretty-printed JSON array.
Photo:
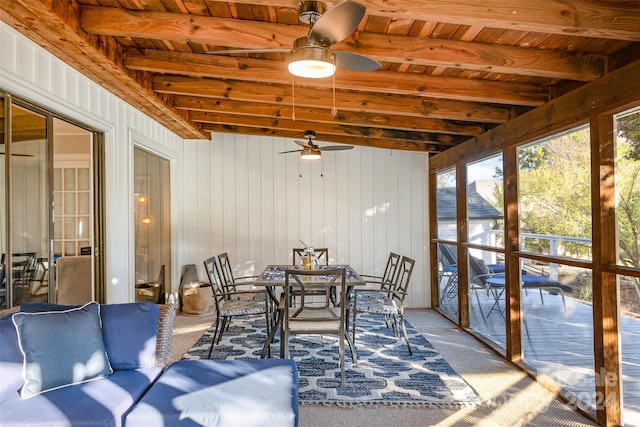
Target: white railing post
[{"x": 553, "y": 251}]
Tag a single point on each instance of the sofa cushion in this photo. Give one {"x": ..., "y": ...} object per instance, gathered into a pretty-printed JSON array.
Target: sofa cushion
[
  {"x": 61, "y": 348},
  {"x": 103, "y": 402},
  {"x": 250, "y": 393},
  {"x": 129, "y": 331},
  {"x": 11, "y": 360}
]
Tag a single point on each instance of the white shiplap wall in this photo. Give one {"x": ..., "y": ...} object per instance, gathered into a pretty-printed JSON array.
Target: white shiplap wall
[
  {"x": 244, "y": 198},
  {"x": 31, "y": 73},
  {"x": 236, "y": 193}
]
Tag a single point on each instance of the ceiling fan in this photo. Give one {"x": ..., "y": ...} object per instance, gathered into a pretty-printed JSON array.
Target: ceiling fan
[
  {"x": 310, "y": 55},
  {"x": 311, "y": 151}
]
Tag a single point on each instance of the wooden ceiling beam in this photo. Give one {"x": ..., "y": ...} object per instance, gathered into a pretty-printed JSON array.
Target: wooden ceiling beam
[
  {"x": 306, "y": 97},
  {"x": 586, "y": 18},
  {"x": 220, "y": 67},
  {"x": 351, "y": 140},
  {"x": 267, "y": 111},
  {"x": 399, "y": 84},
  {"x": 54, "y": 25},
  {"x": 382, "y": 47},
  {"x": 411, "y": 107},
  {"x": 328, "y": 129}
]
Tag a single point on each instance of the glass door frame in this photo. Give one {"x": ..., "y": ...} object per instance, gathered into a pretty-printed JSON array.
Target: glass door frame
[{"x": 97, "y": 159}]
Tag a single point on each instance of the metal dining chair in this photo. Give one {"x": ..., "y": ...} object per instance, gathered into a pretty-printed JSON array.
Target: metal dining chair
[
  {"x": 233, "y": 284},
  {"x": 232, "y": 303},
  {"x": 392, "y": 306},
  {"x": 316, "y": 319},
  {"x": 383, "y": 285}
]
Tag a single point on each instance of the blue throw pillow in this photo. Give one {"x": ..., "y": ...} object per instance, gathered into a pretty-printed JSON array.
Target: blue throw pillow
[
  {"x": 61, "y": 348},
  {"x": 130, "y": 331}
]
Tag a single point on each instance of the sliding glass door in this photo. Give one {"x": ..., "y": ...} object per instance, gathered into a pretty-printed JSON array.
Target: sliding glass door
[
  {"x": 152, "y": 226},
  {"x": 47, "y": 207},
  {"x": 25, "y": 248}
]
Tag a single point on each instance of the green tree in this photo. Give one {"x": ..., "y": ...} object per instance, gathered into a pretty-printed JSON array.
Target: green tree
[
  {"x": 628, "y": 128},
  {"x": 555, "y": 187},
  {"x": 628, "y": 181}
]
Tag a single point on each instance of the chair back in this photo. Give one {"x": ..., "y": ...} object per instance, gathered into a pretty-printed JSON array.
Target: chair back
[
  {"x": 479, "y": 271},
  {"x": 24, "y": 267},
  {"x": 390, "y": 271},
  {"x": 227, "y": 279},
  {"x": 405, "y": 269},
  {"x": 321, "y": 253},
  {"x": 215, "y": 279},
  {"x": 309, "y": 315},
  {"x": 446, "y": 255}
]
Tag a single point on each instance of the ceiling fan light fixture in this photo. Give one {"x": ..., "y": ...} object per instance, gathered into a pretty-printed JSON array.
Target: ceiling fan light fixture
[
  {"x": 310, "y": 154},
  {"x": 311, "y": 61}
]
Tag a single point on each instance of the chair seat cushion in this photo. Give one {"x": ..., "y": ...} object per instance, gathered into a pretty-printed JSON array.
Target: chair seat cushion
[
  {"x": 102, "y": 402},
  {"x": 249, "y": 393},
  {"x": 240, "y": 307},
  {"x": 375, "y": 295},
  {"x": 386, "y": 306}
]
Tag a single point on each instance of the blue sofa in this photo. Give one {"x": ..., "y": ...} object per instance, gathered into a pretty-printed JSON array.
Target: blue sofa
[
  {"x": 135, "y": 350},
  {"x": 130, "y": 378}
]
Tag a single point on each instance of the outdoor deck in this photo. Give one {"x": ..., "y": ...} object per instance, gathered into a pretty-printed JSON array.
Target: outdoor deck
[{"x": 558, "y": 344}]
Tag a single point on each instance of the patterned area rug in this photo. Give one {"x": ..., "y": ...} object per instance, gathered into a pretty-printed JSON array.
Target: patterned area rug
[{"x": 384, "y": 373}]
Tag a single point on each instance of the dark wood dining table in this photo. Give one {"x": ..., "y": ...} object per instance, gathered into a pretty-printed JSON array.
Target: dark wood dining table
[{"x": 272, "y": 278}]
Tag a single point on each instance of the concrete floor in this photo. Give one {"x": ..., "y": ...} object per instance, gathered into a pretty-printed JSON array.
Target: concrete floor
[{"x": 511, "y": 397}]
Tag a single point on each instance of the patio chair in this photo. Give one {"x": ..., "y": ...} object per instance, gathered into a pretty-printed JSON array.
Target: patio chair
[
  {"x": 231, "y": 303},
  {"x": 314, "y": 319},
  {"x": 233, "y": 284},
  {"x": 448, "y": 272},
  {"x": 383, "y": 285},
  {"x": 322, "y": 254},
  {"x": 392, "y": 307},
  {"x": 480, "y": 273}
]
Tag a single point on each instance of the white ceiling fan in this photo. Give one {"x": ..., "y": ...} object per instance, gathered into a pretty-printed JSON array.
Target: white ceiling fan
[
  {"x": 310, "y": 56},
  {"x": 311, "y": 151}
]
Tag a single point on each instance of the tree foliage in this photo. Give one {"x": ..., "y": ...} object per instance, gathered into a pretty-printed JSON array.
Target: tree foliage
[
  {"x": 628, "y": 128},
  {"x": 554, "y": 182},
  {"x": 555, "y": 187}
]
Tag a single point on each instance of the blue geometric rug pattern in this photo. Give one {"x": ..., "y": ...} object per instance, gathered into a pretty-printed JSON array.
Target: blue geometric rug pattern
[{"x": 385, "y": 373}]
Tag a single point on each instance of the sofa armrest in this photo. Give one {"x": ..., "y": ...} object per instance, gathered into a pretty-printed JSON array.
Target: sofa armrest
[
  {"x": 8, "y": 311},
  {"x": 165, "y": 335}
]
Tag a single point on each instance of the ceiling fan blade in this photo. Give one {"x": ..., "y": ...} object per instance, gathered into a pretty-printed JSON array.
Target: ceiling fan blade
[
  {"x": 335, "y": 147},
  {"x": 303, "y": 144},
  {"x": 337, "y": 23},
  {"x": 234, "y": 51},
  {"x": 355, "y": 61},
  {"x": 290, "y": 151}
]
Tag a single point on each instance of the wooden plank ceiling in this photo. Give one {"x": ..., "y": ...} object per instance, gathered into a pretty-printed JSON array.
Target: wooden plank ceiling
[{"x": 450, "y": 70}]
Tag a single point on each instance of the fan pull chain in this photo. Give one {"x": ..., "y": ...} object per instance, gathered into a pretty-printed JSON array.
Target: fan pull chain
[
  {"x": 293, "y": 98},
  {"x": 334, "y": 110}
]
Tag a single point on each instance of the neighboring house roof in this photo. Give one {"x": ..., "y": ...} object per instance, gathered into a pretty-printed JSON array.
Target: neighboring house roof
[{"x": 478, "y": 207}]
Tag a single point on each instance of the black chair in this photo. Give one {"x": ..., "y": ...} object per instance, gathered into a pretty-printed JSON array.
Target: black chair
[{"x": 232, "y": 303}]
